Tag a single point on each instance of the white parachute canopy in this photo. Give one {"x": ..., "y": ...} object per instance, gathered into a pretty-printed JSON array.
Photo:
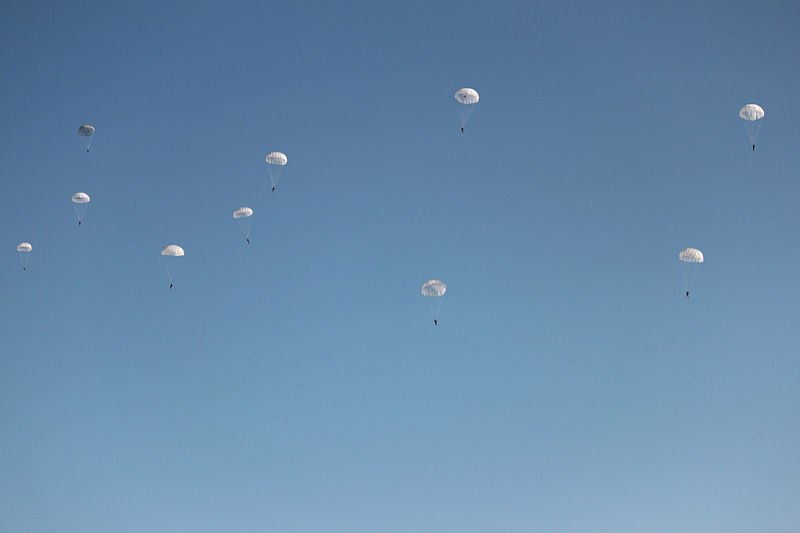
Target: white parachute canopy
[
  {"x": 86, "y": 133},
  {"x": 434, "y": 290},
  {"x": 80, "y": 201},
  {"x": 275, "y": 163},
  {"x": 466, "y": 98},
  {"x": 277, "y": 158},
  {"x": 691, "y": 255},
  {"x": 243, "y": 216},
  {"x": 24, "y": 251},
  {"x": 243, "y": 212},
  {"x": 81, "y": 198},
  {"x": 751, "y": 112},
  {"x": 752, "y": 115},
  {"x": 690, "y": 258},
  {"x": 171, "y": 252}
]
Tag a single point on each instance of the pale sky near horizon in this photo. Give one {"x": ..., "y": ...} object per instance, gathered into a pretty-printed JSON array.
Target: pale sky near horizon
[{"x": 298, "y": 384}]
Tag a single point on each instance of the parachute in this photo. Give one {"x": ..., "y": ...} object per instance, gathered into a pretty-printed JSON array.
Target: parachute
[
  {"x": 79, "y": 203},
  {"x": 243, "y": 212},
  {"x": 434, "y": 290},
  {"x": 466, "y": 98},
  {"x": 752, "y": 115},
  {"x": 690, "y": 257},
  {"x": 86, "y": 132},
  {"x": 172, "y": 250},
  {"x": 24, "y": 251},
  {"x": 275, "y": 163},
  {"x": 243, "y": 217},
  {"x": 751, "y": 112},
  {"x": 171, "y": 253},
  {"x": 277, "y": 158}
]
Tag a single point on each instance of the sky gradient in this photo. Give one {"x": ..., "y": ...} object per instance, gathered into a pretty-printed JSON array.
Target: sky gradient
[{"x": 298, "y": 384}]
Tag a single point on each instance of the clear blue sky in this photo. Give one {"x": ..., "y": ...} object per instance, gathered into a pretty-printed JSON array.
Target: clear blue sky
[{"x": 298, "y": 384}]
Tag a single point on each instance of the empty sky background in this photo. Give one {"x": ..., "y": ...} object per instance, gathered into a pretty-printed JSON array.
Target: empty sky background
[{"x": 298, "y": 384}]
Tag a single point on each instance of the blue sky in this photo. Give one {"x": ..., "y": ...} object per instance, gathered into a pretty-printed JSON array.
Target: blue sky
[{"x": 298, "y": 384}]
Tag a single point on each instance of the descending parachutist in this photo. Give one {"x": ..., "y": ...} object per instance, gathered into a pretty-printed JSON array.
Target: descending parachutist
[
  {"x": 172, "y": 252},
  {"x": 79, "y": 222},
  {"x": 273, "y": 189},
  {"x": 24, "y": 268},
  {"x": 687, "y": 294},
  {"x": 433, "y": 290},
  {"x": 752, "y": 114},
  {"x": 242, "y": 216},
  {"x": 462, "y": 130}
]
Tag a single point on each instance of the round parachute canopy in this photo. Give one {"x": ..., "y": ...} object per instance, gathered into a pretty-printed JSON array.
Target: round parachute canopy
[
  {"x": 691, "y": 255},
  {"x": 243, "y": 212},
  {"x": 87, "y": 130},
  {"x": 172, "y": 250},
  {"x": 751, "y": 112},
  {"x": 434, "y": 288},
  {"x": 276, "y": 158},
  {"x": 24, "y": 247},
  {"x": 81, "y": 198},
  {"x": 467, "y": 96}
]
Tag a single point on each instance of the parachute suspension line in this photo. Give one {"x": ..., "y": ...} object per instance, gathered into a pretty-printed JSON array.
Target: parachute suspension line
[
  {"x": 464, "y": 112},
  {"x": 687, "y": 279},
  {"x": 435, "y": 307},
  {"x": 80, "y": 212},
  {"x": 87, "y": 143},
  {"x": 274, "y": 176},
  {"x": 271, "y": 185},
  {"x": 753, "y": 130},
  {"x": 245, "y": 227}
]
